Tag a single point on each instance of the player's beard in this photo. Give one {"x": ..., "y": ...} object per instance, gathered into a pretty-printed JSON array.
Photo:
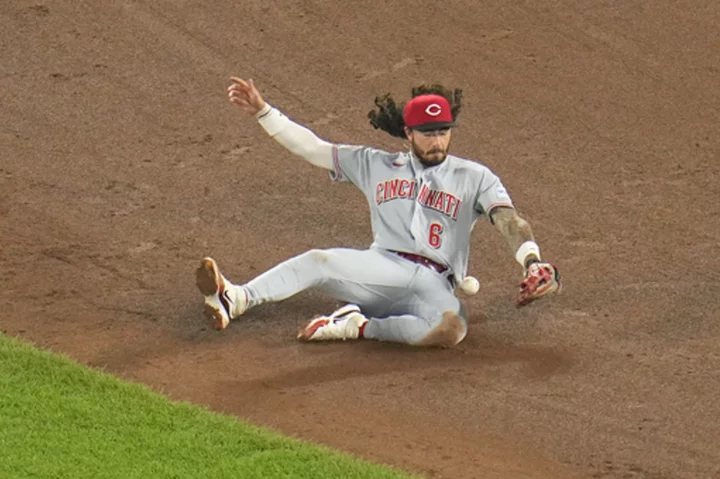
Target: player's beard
[{"x": 431, "y": 157}]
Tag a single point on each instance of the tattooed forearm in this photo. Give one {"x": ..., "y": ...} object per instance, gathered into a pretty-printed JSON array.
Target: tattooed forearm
[{"x": 514, "y": 229}]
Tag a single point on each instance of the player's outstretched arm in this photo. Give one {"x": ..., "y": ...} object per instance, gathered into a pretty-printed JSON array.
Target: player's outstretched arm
[
  {"x": 291, "y": 135},
  {"x": 540, "y": 278}
]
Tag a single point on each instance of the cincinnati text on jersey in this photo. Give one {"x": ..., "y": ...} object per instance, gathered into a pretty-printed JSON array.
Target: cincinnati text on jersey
[{"x": 438, "y": 200}]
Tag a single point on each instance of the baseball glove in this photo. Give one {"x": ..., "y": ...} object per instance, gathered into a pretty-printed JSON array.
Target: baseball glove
[{"x": 540, "y": 279}]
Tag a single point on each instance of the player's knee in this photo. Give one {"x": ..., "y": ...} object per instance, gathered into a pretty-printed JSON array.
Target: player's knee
[
  {"x": 318, "y": 256},
  {"x": 451, "y": 330}
]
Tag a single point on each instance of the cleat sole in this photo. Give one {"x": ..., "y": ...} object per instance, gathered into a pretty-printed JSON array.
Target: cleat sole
[{"x": 206, "y": 277}]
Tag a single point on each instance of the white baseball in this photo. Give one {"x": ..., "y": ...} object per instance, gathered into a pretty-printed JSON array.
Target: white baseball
[{"x": 470, "y": 285}]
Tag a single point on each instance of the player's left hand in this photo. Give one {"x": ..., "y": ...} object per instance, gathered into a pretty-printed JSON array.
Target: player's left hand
[
  {"x": 246, "y": 95},
  {"x": 540, "y": 279}
]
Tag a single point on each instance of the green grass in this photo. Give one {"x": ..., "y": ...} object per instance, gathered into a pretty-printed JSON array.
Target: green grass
[{"x": 61, "y": 420}]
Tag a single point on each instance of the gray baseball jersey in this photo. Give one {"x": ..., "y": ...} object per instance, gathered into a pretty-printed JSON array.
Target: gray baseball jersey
[{"x": 426, "y": 211}]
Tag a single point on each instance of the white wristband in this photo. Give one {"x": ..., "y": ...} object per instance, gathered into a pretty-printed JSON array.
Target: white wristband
[
  {"x": 526, "y": 249},
  {"x": 263, "y": 111}
]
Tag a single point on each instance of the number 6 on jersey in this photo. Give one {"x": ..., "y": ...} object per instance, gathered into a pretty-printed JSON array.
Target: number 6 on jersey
[{"x": 434, "y": 239}]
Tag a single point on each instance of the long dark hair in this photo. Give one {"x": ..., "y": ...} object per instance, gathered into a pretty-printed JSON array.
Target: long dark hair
[{"x": 388, "y": 116}]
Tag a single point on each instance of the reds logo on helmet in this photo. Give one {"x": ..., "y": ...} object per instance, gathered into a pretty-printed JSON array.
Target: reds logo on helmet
[{"x": 433, "y": 109}]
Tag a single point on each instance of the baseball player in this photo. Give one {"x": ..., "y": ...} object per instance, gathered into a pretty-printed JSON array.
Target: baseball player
[{"x": 423, "y": 203}]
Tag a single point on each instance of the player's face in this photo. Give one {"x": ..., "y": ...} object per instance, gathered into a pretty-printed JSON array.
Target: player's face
[{"x": 430, "y": 147}]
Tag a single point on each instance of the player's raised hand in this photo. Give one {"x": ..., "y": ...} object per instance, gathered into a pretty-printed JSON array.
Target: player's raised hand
[{"x": 244, "y": 94}]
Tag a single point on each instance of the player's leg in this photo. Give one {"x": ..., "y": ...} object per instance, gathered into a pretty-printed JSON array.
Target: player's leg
[
  {"x": 427, "y": 313},
  {"x": 357, "y": 276},
  {"x": 444, "y": 329},
  {"x": 404, "y": 302},
  {"x": 363, "y": 277}
]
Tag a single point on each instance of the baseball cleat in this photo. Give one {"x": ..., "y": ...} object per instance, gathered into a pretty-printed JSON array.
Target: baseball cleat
[
  {"x": 345, "y": 323},
  {"x": 222, "y": 300}
]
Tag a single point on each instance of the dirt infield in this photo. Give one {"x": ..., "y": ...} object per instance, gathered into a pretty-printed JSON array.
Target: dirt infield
[{"x": 123, "y": 164}]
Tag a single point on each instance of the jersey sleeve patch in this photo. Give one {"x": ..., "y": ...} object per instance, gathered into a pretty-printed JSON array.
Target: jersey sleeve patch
[{"x": 491, "y": 194}]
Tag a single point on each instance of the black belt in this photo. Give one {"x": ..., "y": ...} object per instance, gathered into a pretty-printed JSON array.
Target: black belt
[{"x": 427, "y": 262}]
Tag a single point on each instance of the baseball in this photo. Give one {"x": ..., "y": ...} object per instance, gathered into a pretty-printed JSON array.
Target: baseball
[{"x": 470, "y": 285}]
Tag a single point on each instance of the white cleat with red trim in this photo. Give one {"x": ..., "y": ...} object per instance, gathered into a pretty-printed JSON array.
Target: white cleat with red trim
[
  {"x": 345, "y": 323},
  {"x": 223, "y": 300}
]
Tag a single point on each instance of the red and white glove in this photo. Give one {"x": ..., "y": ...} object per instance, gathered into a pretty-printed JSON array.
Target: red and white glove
[{"x": 540, "y": 279}]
